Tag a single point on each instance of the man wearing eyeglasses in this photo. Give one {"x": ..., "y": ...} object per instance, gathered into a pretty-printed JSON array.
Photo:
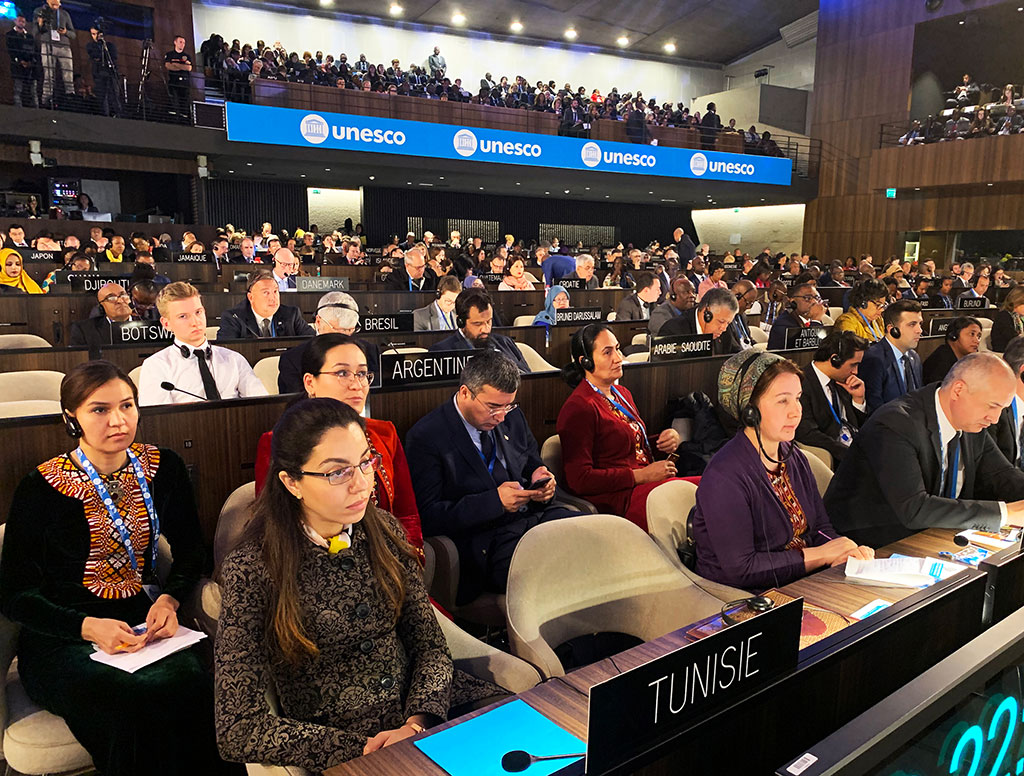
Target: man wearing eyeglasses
[
  {"x": 98, "y": 330},
  {"x": 746, "y": 294},
  {"x": 286, "y": 267},
  {"x": 806, "y": 311},
  {"x": 478, "y": 476},
  {"x": 416, "y": 275}
]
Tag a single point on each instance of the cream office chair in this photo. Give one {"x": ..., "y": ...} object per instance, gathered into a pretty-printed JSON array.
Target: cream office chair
[
  {"x": 820, "y": 453},
  {"x": 29, "y": 408},
  {"x": 19, "y": 341},
  {"x": 31, "y": 385},
  {"x": 535, "y": 360},
  {"x": 523, "y": 320},
  {"x": 135, "y": 374},
  {"x": 821, "y": 471},
  {"x": 758, "y": 335},
  {"x": 211, "y": 333},
  {"x": 267, "y": 370},
  {"x": 639, "y": 339},
  {"x": 616, "y": 579}
]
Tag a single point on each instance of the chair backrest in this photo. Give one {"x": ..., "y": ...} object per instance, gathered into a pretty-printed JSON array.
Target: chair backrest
[
  {"x": 234, "y": 517},
  {"x": 614, "y": 579},
  {"x": 986, "y": 323},
  {"x": 820, "y": 453},
  {"x": 211, "y": 333},
  {"x": 639, "y": 358},
  {"x": 267, "y": 369},
  {"x": 534, "y": 359},
  {"x": 17, "y": 341},
  {"x": 683, "y": 427},
  {"x": 28, "y": 408},
  {"x": 135, "y": 374},
  {"x": 822, "y": 474},
  {"x": 639, "y": 339},
  {"x": 612, "y": 316},
  {"x": 757, "y": 334},
  {"x": 668, "y": 506},
  {"x": 551, "y": 454},
  {"x": 762, "y": 346},
  {"x": 835, "y": 312},
  {"x": 986, "y": 340},
  {"x": 485, "y": 662},
  {"x": 523, "y": 320},
  {"x": 33, "y": 384}
]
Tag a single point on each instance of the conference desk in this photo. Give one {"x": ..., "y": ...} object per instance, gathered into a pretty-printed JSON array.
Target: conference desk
[{"x": 835, "y": 679}]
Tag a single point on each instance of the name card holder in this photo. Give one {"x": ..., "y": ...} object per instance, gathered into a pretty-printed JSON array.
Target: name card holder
[
  {"x": 441, "y": 366},
  {"x": 578, "y": 315},
  {"x": 321, "y": 284},
  {"x": 806, "y": 337},
  {"x": 131, "y": 332},
  {"x": 675, "y": 347},
  {"x": 393, "y": 322}
]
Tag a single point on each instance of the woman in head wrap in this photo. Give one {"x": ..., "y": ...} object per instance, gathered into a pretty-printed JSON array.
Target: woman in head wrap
[
  {"x": 472, "y": 281},
  {"x": 13, "y": 275},
  {"x": 557, "y": 298},
  {"x": 759, "y": 520}
]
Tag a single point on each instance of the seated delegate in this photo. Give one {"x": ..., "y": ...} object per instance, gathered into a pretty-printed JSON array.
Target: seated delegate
[
  {"x": 759, "y": 520},
  {"x": 79, "y": 574},
  {"x": 13, "y": 276},
  {"x": 439, "y": 315},
  {"x": 607, "y": 453},
  {"x": 324, "y": 604},
  {"x": 963, "y": 337},
  {"x": 261, "y": 313},
  {"x": 864, "y": 318},
  {"x": 1009, "y": 321},
  {"x": 557, "y": 298},
  {"x": 97, "y": 331},
  {"x": 474, "y": 317},
  {"x": 335, "y": 366}
]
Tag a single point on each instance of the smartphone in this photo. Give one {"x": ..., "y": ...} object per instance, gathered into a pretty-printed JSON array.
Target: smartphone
[
  {"x": 672, "y": 457},
  {"x": 138, "y": 630},
  {"x": 540, "y": 483}
]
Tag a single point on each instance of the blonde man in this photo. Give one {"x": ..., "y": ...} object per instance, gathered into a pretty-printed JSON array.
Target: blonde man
[{"x": 192, "y": 368}]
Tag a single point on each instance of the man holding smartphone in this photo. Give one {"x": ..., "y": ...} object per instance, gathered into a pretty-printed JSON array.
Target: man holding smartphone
[
  {"x": 55, "y": 32},
  {"x": 478, "y": 476}
]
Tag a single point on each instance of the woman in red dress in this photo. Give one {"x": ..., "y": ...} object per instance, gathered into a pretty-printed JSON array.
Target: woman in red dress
[
  {"x": 334, "y": 367},
  {"x": 607, "y": 452}
]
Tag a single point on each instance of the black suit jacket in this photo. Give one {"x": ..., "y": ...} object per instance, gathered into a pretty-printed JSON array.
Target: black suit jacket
[
  {"x": 456, "y": 495},
  {"x": 1003, "y": 330},
  {"x": 499, "y": 342},
  {"x": 93, "y": 332},
  {"x": 818, "y": 425},
  {"x": 883, "y": 375},
  {"x": 938, "y": 364},
  {"x": 787, "y": 319},
  {"x": 886, "y": 487},
  {"x": 686, "y": 324},
  {"x": 1004, "y": 434},
  {"x": 239, "y": 322},
  {"x": 398, "y": 280},
  {"x": 289, "y": 375},
  {"x": 631, "y": 309}
]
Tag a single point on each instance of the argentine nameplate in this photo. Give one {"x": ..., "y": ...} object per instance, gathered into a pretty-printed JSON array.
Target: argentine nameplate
[
  {"x": 677, "y": 346},
  {"x": 441, "y": 366}
]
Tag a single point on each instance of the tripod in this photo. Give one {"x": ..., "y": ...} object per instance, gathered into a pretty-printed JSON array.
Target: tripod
[{"x": 147, "y": 46}]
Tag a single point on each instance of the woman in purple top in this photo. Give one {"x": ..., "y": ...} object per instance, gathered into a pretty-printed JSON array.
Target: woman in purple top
[{"x": 759, "y": 521}]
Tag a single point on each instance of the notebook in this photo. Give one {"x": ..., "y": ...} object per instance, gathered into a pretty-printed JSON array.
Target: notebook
[{"x": 152, "y": 652}]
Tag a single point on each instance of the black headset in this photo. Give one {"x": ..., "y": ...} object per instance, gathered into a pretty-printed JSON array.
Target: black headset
[
  {"x": 844, "y": 348},
  {"x": 894, "y": 330},
  {"x": 469, "y": 299},
  {"x": 708, "y": 315},
  {"x": 186, "y": 352},
  {"x": 958, "y": 325},
  {"x": 71, "y": 425},
  {"x": 578, "y": 345},
  {"x": 750, "y": 416}
]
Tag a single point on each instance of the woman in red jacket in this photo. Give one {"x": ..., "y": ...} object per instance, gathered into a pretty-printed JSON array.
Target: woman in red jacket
[
  {"x": 607, "y": 452},
  {"x": 334, "y": 367}
]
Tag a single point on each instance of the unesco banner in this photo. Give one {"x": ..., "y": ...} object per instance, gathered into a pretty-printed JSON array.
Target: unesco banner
[{"x": 348, "y": 132}]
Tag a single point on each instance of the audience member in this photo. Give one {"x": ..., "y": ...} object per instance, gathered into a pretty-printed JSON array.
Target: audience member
[
  {"x": 715, "y": 279},
  {"x": 193, "y": 367},
  {"x": 474, "y": 318},
  {"x": 681, "y": 298},
  {"x": 607, "y": 454},
  {"x": 759, "y": 520},
  {"x": 963, "y": 337},
  {"x": 868, "y": 300},
  {"x": 834, "y": 398},
  {"x": 439, "y": 315},
  {"x": 516, "y": 278},
  {"x": 556, "y": 298},
  {"x": 105, "y": 585},
  {"x": 892, "y": 367},
  {"x": 261, "y": 314},
  {"x": 13, "y": 276},
  {"x": 1009, "y": 321},
  {"x": 806, "y": 310},
  {"x": 746, "y": 294},
  {"x": 924, "y": 461},
  {"x": 286, "y": 267},
  {"x": 639, "y": 305},
  {"x": 1008, "y": 432},
  {"x": 478, "y": 475},
  {"x": 943, "y": 297},
  {"x": 24, "y": 59},
  {"x": 55, "y": 33},
  {"x": 98, "y": 330},
  {"x": 414, "y": 276},
  {"x": 317, "y": 546},
  {"x": 555, "y": 266},
  {"x": 713, "y": 315},
  {"x": 584, "y": 271},
  {"x": 144, "y": 294},
  {"x": 918, "y": 292}
]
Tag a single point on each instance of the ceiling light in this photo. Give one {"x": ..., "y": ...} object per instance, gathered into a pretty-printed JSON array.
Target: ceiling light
[
  {"x": 458, "y": 18},
  {"x": 670, "y": 48},
  {"x": 516, "y": 26},
  {"x": 373, "y": 177},
  {"x": 571, "y": 34},
  {"x": 231, "y": 171},
  {"x": 303, "y": 175},
  {"x": 547, "y": 192},
  {"x": 440, "y": 177},
  {"x": 326, "y": 3},
  {"x": 650, "y": 192},
  {"x": 518, "y": 183},
  {"x": 566, "y": 191},
  {"x": 962, "y": 21},
  {"x": 481, "y": 188},
  {"x": 248, "y": 164},
  {"x": 623, "y": 40},
  {"x": 587, "y": 188},
  {"x": 395, "y": 9},
  {"x": 990, "y": 184},
  {"x": 607, "y": 195},
  {"x": 327, "y": 169}
]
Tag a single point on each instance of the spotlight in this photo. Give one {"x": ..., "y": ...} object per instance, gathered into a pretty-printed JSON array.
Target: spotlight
[
  {"x": 623, "y": 40},
  {"x": 516, "y": 26},
  {"x": 458, "y": 18},
  {"x": 326, "y": 3},
  {"x": 396, "y": 9},
  {"x": 571, "y": 33},
  {"x": 670, "y": 48}
]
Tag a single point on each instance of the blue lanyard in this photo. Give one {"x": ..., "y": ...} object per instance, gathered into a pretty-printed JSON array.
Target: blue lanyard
[
  {"x": 448, "y": 318},
  {"x": 744, "y": 332},
  {"x": 419, "y": 288},
  {"x": 115, "y": 515},
  {"x": 954, "y": 471},
  {"x": 489, "y": 462},
  {"x": 623, "y": 406},
  {"x": 868, "y": 326},
  {"x": 832, "y": 408}
]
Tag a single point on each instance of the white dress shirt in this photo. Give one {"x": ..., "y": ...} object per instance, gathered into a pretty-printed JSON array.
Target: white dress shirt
[
  {"x": 232, "y": 373},
  {"x": 282, "y": 283},
  {"x": 474, "y": 434},
  {"x": 824, "y": 379}
]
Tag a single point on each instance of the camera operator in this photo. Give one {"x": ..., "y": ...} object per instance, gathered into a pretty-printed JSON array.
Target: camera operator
[
  {"x": 55, "y": 32},
  {"x": 103, "y": 56}
]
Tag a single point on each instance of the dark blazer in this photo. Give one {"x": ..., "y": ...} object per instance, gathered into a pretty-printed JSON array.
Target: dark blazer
[
  {"x": 1004, "y": 434},
  {"x": 289, "y": 374},
  {"x": 886, "y": 487},
  {"x": 499, "y": 342},
  {"x": 398, "y": 280},
  {"x": 632, "y": 309},
  {"x": 883, "y": 376},
  {"x": 239, "y": 322},
  {"x": 687, "y": 324},
  {"x": 787, "y": 319},
  {"x": 94, "y": 332},
  {"x": 591, "y": 285},
  {"x": 1003, "y": 330},
  {"x": 818, "y": 425},
  {"x": 456, "y": 495},
  {"x": 938, "y": 364}
]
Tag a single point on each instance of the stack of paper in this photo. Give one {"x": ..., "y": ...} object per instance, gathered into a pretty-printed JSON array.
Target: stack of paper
[
  {"x": 152, "y": 652},
  {"x": 899, "y": 571}
]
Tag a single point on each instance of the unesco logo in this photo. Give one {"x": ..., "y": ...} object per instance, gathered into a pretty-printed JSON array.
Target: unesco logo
[
  {"x": 698, "y": 164},
  {"x": 464, "y": 142},
  {"x": 591, "y": 154},
  {"x": 314, "y": 129}
]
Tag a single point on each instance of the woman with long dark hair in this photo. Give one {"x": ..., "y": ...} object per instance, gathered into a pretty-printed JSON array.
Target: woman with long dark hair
[{"x": 324, "y": 602}]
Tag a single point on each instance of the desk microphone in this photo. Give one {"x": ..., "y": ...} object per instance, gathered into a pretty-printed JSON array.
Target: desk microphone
[
  {"x": 170, "y": 387},
  {"x": 247, "y": 326},
  {"x": 518, "y": 760}
]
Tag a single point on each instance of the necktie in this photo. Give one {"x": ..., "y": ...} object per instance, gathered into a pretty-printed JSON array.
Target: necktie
[
  {"x": 209, "y": 384},
  {"x": 952, "y": 464},
  {"x": 836, "y": 404},
  {"x": 498, "y": 473},
  {"x": 265, "y": 328},
  {"x": 908, "y": 374}
]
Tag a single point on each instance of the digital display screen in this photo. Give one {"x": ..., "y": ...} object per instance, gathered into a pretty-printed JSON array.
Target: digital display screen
[
  {"x": 982, "y": 734},
  {"x": 64, "y": 191}
]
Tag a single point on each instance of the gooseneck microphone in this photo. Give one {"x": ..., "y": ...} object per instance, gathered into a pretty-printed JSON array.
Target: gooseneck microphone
[
  {"x": 518, "y": 760},
  {"x": 170, "y": 387},
  {"x": 246, "y": 325}
]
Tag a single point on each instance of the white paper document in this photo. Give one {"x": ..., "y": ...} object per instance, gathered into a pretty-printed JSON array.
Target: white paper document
[
  {"x": 899, "y": 572},
  {"x": 152, "y": 652}
]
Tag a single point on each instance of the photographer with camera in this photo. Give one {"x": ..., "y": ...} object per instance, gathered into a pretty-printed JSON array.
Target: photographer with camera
[
  {"x": 54, "y": 30},
  {"x": 105, "y": 78}
]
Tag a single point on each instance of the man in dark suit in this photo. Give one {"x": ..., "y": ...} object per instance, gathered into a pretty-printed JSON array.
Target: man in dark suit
[
  {"x": 925, "y": 461},
  {"x": 681, "y": 297},
  {"x": 711, "y": 125},
  {"x": 684, "y": 246},
  {"x": 474, "y": 463},
  {"x": 833, "y": 395},
  {"x": 746, "y": 294},
  {"x": 574, "y": 120},
  {"x": 1008, "y": 433},
  {"x": 806, "y": 311},
  {"x": 474, "y": 316},
  {"x": 892, "y": 367},
  {"x": 98, "y": 331},
  {"x": 414, "y": 276},
  {"x": 262, "y": 314},
  {"x": 439, "y": 315},
  {"x": 638, "y": 305},
  {"x": 697, "y": 273},
  {"x": 713, "y": 315},
  {"x": 919, "y": 292}
]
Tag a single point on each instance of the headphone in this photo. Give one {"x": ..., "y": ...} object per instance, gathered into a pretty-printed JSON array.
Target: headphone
[
  {"x": 186, "y": 352},
  {"x": 469, "y": 299},
  {"x": 577, "y": 346},
  {"x": 750, "y": 416},
  {"x": 844, "y": 348},
  {"x": 708, "y": 315},
  {"x": 756, "y": 604},
  {"x": 71, "y": 425},
  {"x": 894, "y": 330}
]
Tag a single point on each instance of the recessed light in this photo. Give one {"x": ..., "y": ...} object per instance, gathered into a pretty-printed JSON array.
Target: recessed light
[
  {"x": 571, "y": 33},
  {"x": 607, "y": 195},
  {"x": 440, "y": 177},
  {"x": 566, "y": 191},
  {"x": 587, "y": 188},
  {"x": 327, "y": 169},
  {"x": 670, "y": 48},
  {"x": 326, "y": 3},
  {"x": 962, "y": 21},
  {"x": 373, "y": 177},
  {"x": 518, "y": 183},
  {"x": 762, "y": 199},
  {"x": 408, "y": 183},
  {"x": 231, "y": 171},
  {"x": 395, "y": 9},
  {"x": 458, "y": 18},
  {"x": 990, "y": 184},
  {"x": 917, "y": 188},
  {"x": 547, "y": 192},
  {"x": 303, "y": 175},
  {"x": 622, "y": 40},
  {"x": 248, "y": 164},
  {"x": 650, "y": 192},
  {"x": 481, "y": 188},
  {"x": 516, "y": 26}
]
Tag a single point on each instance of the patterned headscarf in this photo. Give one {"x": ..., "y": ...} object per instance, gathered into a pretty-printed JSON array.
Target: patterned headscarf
[{"x": 738, "y": 377}]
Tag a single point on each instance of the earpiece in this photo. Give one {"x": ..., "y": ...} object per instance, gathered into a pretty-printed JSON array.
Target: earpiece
[
  {"x": 577, "y": 348},
  {"x": 844, "y": 350},
  {"x": 460, "y": 321},
  {"x": 186, "y": 352},
  {"x": 71, "y": 426},
  {"x": 895, "y": 332},
  {"x": 672, "y": 296},
  {"x": 708, "y": 315},
  {"x": 836, "y": 361},
  {"x": 750, "y": 416}
]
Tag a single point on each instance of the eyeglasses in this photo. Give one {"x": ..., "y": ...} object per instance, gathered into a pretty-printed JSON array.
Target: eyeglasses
[
  {"x": 122, "y": 297},
  {"x": 343, "y": 374},
  {"x": 345, "y": 474},
  {"x": 495, "y": 411}
]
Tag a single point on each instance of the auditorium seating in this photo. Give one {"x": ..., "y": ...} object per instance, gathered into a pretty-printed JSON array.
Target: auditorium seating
[
  {"x": 821, "y": 470},
  {"x": 18, "y": 341},
  {"x": 29, "y": 407},
  {"x": 267, "y": 370},
  {"x": 551, "y": 454},
  {"x": 534, "y": 359},
  {"x": 34, "y": 384}
]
